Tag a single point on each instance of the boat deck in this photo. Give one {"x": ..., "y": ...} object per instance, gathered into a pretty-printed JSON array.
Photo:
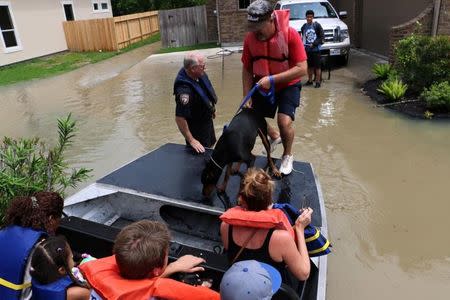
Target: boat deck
[{"x": 173, "y": 171}]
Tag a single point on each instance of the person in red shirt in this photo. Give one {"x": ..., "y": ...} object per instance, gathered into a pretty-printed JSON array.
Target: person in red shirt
[{"x": 274, "y": 57}]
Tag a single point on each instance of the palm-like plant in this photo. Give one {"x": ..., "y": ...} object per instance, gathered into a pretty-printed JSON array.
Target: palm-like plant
[
  {"x": 26, "y": 166},
  {"x": 382, "y": 71},
  {"x": 393, "y": 89}
]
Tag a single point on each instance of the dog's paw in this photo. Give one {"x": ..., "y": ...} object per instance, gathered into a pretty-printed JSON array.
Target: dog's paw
[{"x": 276, "y": 173}]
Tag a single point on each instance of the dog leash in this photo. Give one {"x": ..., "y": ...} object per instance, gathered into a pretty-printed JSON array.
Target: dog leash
[{"x": 270, "y": 95}]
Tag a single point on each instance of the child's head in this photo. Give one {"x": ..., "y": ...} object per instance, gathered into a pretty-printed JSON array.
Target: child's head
[
  {"x": 256, "y": 190},
  {"x": 51, "y": 260},
  {"x": 141, "y": 249}
]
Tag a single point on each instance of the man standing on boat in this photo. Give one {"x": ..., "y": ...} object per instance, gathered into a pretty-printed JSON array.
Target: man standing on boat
[
  {"x": 195, "y": 103},
  {"x": 274, "y": 58}
]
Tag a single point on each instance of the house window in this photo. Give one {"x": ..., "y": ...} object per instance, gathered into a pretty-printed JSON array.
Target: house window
[
  {"x": 8, "y": 31},
  {"x": 243, "y": 4},
  {"x": 100, "y": 5},
  {"x": 68, "y": 12}
]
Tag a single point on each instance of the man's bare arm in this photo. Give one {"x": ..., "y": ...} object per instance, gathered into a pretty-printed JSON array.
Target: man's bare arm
[{"x": 299, "y": 70}]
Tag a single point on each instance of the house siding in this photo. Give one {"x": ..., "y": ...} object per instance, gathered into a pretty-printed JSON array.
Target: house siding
[{"x": 39, "y": 27}]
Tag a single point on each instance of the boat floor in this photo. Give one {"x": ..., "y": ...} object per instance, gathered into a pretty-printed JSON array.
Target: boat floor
[{"x": 174, "y": 171}]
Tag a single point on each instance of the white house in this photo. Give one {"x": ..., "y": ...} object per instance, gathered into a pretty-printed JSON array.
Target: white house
[{"x": 33, "y": 28}]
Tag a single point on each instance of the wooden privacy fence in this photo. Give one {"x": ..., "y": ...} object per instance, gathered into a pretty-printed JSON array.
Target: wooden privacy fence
[
  {"x": 110, "y": 34},
  {"x": 183, "y": 26}
]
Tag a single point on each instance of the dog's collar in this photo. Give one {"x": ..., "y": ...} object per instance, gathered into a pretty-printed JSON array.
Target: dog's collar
[{"x": 217, "y": 165}]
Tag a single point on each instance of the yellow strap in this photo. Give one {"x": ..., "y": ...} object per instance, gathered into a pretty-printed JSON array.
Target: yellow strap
[
  {"x": 13, "y": 286},
  {"x": 314, "y": 237},
  {"x": 324, "y": 247}
]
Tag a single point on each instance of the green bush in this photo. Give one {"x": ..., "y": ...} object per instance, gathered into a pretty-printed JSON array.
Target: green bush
[
  {"x": 28, "y": 166},
  {"x": 382, "y": 71},
  {"x": 423, "y": 60},
  {"x": 437, "y": 96},
  {"x": 393, "y": 89}
]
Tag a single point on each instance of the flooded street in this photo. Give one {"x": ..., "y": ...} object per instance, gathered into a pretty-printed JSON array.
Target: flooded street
[{"x": 385, "y": 177}]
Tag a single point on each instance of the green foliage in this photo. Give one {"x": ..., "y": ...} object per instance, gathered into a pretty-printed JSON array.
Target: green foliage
[
  {"x": 393, "y": 89},
  {"x": 124, "y": 7},
  {"x": 437, "y": 96},
  {"x": 423, "y": 60},
  {"x": 382, "y": 71},
  {"x": 28, "y": 166}
]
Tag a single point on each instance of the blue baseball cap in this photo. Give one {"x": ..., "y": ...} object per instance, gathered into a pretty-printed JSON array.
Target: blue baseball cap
[{"x": 250, "y": 280}]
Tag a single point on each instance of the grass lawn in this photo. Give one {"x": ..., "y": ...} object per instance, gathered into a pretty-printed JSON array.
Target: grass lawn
[
  {"x": 63, "y": 62},
  {"x": 60, "y": 63}
]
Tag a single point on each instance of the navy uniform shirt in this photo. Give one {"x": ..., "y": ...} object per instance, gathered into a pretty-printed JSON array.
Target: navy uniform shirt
[{"x": 190, "y": 106}]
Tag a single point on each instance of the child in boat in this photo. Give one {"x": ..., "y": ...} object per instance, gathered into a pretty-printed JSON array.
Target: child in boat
[
  {"x": 52, "y": 272},
  {"x": 139, "y": 268}
]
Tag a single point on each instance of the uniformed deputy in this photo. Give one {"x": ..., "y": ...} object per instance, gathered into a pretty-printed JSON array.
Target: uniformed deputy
[{"x": 195, "y": 103}]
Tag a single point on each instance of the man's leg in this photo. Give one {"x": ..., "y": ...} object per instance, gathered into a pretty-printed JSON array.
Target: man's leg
[
  {"x": 310, "y": 70},
  {"x": 310, "y": 74},
  {"x": 286, "y": 132},
  {"x": 317, "y": 69},
  {"x": 318, "y": 74},
  {"x": 289, "y": 100}
]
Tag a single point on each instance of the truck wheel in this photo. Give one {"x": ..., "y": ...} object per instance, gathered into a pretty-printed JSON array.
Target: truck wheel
[{"x": 343, "y": 59}]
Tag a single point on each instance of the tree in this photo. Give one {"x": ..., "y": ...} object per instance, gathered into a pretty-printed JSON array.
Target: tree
[{"x": 124, "y": 7}]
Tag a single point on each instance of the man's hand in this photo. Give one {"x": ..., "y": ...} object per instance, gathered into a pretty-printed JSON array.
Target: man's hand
[
  {"x": 264, "y": 82},
  {"x": 198, "y": 147}
]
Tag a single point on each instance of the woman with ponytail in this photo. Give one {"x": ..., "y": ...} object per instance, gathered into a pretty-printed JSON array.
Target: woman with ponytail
[
  {"x": 253, "y": 230},
  {"x": 52, "y": 271}
]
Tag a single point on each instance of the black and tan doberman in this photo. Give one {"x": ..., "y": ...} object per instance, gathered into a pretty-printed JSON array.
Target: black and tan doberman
[{"x": 236, "y": 145}]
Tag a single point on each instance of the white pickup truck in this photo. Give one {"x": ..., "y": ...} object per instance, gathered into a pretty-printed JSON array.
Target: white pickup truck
[{"x": 337, "y": 39}]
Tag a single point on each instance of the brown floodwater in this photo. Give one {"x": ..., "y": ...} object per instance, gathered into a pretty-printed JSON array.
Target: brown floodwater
[{"x": 385, "y": 177}]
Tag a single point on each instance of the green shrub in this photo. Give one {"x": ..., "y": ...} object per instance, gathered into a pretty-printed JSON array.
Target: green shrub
[
  {"x": 382, "y": 71},
  {"x": 423, "y": 60},
  {"x": 393, "y": 89},
  {"x": 28, "y": 166},
  {"x": 437, "y": 96}
]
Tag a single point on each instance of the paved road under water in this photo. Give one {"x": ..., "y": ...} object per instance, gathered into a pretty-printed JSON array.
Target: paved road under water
[{"x": 385, "y": 177}]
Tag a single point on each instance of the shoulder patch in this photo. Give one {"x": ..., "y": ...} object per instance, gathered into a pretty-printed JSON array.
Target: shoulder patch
[{"x": 184, "y": 99}]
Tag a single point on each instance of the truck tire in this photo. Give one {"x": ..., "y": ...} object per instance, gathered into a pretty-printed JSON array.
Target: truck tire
[{"x": 343, "y": 59}]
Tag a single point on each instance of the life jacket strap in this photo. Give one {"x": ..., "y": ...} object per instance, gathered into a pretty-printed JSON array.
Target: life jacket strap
[
  {"x": 314, "y": 237},
  {"x": 323, "y": 248},
  {"x": 13, "y": 286},
  {"x": 284, "y": 58}
]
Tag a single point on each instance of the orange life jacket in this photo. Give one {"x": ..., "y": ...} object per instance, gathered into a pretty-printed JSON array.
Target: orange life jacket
[
  {"x": 270, "y": 218},
  {"x": 271, "y": 56},
  {"x": 104, "y": 277}
]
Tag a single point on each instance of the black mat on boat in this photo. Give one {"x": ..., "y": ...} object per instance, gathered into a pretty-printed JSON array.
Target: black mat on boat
[{"x": 173, "y": 171}]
